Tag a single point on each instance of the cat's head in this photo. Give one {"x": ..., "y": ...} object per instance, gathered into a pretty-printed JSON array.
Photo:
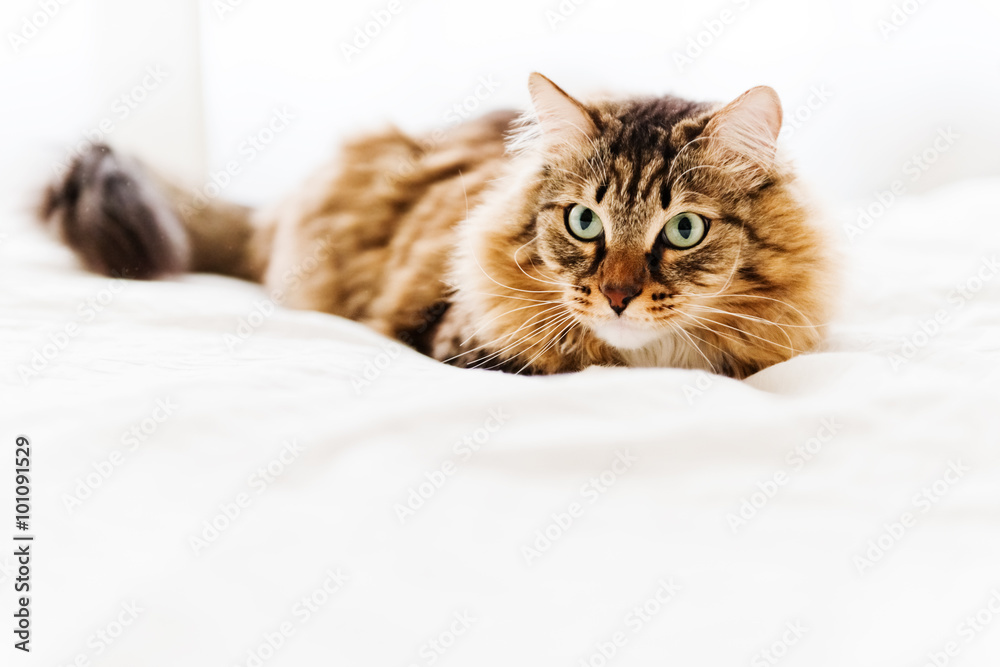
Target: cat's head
[{"x": 650, "y": 231}]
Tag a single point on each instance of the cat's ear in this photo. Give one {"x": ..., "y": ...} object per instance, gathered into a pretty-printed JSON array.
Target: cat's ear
[
  {"x": 747, "y": 128},
  {"x": 562, "y": 118}
]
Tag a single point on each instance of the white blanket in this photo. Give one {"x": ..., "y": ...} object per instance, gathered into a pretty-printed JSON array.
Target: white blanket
[{"x": 374, "y": 507}]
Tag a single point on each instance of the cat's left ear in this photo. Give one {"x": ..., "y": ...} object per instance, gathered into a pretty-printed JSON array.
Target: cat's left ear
[
  {"x": 748, "y": 126},
  {"x": 562, "y": 118}
]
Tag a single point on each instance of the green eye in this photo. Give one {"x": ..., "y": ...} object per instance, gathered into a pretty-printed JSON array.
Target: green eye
[
  {"x": 583, "y": 223},
  {"x": 685, "y": 230}
]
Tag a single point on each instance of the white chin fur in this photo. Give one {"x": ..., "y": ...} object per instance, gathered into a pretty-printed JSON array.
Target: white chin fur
[{"x": 625, "y": 335}]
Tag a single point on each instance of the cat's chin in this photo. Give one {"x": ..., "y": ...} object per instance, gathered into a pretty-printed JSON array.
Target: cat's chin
[{"x": 625, "y": 335}]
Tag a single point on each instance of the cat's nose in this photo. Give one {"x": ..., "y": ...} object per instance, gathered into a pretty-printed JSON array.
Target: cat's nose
[{"x": 619, "y": 296}]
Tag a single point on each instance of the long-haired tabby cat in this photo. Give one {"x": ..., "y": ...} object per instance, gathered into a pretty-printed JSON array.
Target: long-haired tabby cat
[{"x": 636, "y": 231}]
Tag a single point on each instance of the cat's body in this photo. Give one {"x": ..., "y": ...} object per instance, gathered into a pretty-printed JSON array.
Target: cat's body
[{"x": 567, "y": 249}]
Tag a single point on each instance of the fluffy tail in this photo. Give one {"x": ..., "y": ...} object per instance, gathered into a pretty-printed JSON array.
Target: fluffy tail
[{"x": 122, "y": 220}]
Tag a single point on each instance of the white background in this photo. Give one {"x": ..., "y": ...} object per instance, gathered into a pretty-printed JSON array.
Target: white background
[
  {"x": 704, "y": 445},
  {"x": 891, "y": 90}
]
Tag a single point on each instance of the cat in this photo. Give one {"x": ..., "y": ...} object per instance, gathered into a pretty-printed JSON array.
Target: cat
[{"x": 639, "y": 231}]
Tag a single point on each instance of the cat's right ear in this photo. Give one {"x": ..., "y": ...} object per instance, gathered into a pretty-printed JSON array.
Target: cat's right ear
[
  {"x": 750, "y": 124},
  {"x": 744, "y": 133},
  {"x": 562, "y": 119}
]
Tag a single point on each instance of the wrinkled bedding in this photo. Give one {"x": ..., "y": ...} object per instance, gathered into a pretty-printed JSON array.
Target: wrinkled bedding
[{"x": 220, "y": 483}]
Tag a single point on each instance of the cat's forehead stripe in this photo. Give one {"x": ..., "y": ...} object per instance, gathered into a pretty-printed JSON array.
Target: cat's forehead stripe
[
  {"x": 664, "y": 196},
  {"x": 640, "y": 149}
]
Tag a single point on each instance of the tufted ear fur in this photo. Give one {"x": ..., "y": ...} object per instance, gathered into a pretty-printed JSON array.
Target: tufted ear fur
[
  {"x": 562, "y": 118},
  {"x": 745, "y": 131}
]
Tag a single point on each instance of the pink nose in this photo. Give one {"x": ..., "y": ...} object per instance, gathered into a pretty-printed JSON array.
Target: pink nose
[{"x": 619, "y": 296}]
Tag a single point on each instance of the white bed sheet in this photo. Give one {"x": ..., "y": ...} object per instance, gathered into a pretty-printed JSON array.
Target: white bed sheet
[{"x": 452, "y": 584}]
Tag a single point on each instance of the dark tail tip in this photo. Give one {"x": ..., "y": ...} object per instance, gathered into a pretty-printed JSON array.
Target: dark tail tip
[{"x": 112, "y": 216}]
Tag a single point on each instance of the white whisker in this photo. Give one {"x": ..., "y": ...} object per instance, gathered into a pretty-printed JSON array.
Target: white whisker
[
  {"x": 554, "y": 324},
  {"x": 508, "y": 312},
  {"x": 548, "y": 346},
  {"x": 745, "y": 317},
  {"x": 741, "y": 331},
  {"x": 694, "y": 346}
]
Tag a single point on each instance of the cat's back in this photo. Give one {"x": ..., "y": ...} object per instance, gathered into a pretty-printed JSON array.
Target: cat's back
[{"x": 376, "y": 225}]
